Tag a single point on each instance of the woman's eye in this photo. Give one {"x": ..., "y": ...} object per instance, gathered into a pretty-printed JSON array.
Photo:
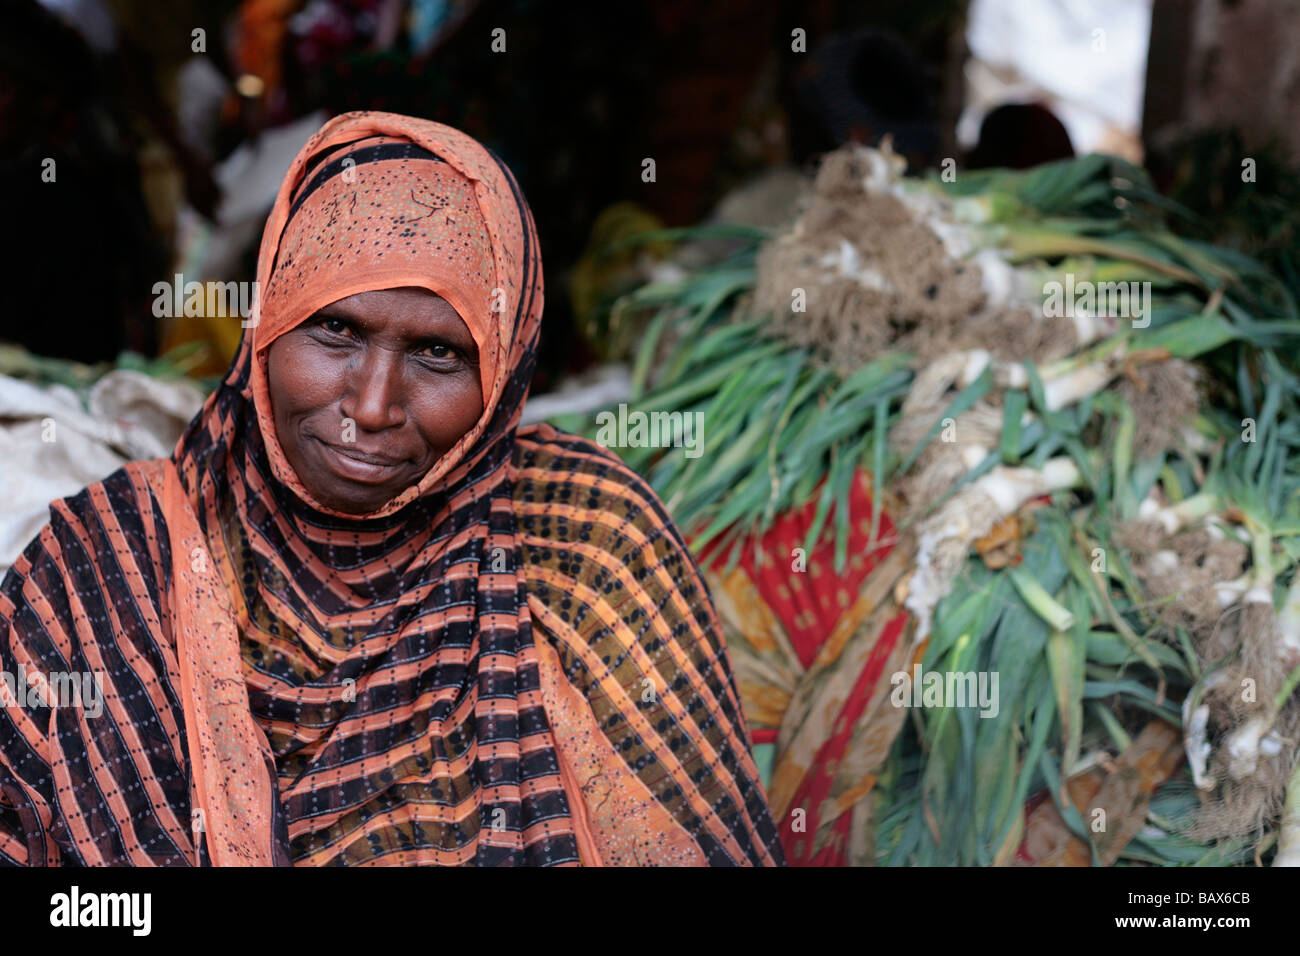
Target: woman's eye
[{"x": 337, "y": 326}]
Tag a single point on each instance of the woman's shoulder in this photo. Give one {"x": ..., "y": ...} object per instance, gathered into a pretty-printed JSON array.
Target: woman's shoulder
[
  {"x": 127, "y": 495},
  {"x": 600, "y": 549},
  {"x": 110, "y": 532},
  {"x": 545, "y": 442},
  {"x": 577, "y": 475}
]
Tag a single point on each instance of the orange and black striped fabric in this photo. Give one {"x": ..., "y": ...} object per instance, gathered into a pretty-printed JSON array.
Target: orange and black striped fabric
[{"x": 515, "y": 662}]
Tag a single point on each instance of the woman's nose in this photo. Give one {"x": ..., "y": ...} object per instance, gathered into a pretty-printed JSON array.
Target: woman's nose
[{"x": 374, "y": 394}]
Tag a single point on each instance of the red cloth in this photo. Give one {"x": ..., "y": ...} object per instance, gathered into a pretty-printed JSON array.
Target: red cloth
[{"x": 809, "y": 605}]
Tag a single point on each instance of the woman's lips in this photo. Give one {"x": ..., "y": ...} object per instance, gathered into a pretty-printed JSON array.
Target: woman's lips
[{"x": 356, "y": 465}]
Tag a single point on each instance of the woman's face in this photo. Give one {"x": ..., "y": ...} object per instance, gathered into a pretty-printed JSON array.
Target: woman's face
[{"x": 370, "y": 392}]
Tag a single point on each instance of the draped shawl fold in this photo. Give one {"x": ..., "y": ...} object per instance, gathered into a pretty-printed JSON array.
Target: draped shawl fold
[{"x": 514, "y": 661}]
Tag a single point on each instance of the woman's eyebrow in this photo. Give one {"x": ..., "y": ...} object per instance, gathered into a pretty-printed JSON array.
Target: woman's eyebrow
[
  {"x": 457, "y": 338},
  {"x": 332, "y": 311},
  {"x": 464, "y": 344}
]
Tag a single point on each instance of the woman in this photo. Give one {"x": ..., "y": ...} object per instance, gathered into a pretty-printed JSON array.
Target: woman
[{"x": 365, "y": 618}]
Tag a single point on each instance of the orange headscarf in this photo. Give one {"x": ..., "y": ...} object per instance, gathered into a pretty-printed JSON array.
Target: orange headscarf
[{"x": 363, "y": 207}]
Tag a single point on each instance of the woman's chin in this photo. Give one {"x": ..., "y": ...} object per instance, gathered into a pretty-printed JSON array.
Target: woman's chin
[
  {"x": 343, "y": 466},
  {"x": 354, "y": 487},
  {"x": 355, "y": 502}
]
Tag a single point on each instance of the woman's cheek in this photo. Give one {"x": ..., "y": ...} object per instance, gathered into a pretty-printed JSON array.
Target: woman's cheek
[
  {"x": 318, "y": 376},
  {"x": 469, "y": 404},
  {"x": 451, "y": 409}
]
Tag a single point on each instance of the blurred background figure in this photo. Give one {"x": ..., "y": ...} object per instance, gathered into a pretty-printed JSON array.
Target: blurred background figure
[
  {"x": 1019, "y": 135},
  {"x": 83, "y": 250},
  {"x": 862, "y": 86},
  {"x": 1082, "y": 60}
]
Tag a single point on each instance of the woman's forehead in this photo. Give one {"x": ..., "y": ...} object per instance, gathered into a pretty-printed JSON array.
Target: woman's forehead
[{"x": 407, "y": 310}]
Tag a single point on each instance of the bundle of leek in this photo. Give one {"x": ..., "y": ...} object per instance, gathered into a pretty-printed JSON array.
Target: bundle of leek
[{"x": 967, "y": 438}]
